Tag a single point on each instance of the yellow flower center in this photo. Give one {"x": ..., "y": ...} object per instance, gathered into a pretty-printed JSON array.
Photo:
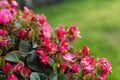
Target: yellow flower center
[
  {"x": 86, "y": 63},
  {"x": 53, "y": 49},
  {"x": 5, "y": 15},
  {"x": 48, "y": 30},
  {"x": 43, "y": 60},
  {"x": 64, "y": 36},
  {"x": 110, "y": 68},
  {"x": 14, "y": 2}
]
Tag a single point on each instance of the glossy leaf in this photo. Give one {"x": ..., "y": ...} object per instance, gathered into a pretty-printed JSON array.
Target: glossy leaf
[
  {"x": 14, "y": 56},
  {"x": 37, "y": 76}
]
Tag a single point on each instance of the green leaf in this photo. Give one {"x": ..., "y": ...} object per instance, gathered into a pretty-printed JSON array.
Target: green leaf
[
  {"x": 14, "y": 56},
  {"x": 37, "y": 76},
  {"x": 76, "y": 78},
  {"x": 2, "y": 61},
  {"x": 53, "y": 76},
  {"x": 25, "y": 48},
  {"x": 33, "y": 62},
  {"x": 62, "y": 77},
  {"x": 1, "y": 51}
]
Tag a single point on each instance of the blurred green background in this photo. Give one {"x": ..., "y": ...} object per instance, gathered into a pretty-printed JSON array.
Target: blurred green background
[{"x": 99, "y": 23}]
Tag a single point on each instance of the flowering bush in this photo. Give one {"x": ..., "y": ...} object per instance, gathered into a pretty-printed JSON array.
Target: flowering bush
[{"x": 31, "y": 50}]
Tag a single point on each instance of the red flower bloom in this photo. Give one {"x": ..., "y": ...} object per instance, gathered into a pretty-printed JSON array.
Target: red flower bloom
[
  {"x": 74, "y": 31},
  {"x": 6, "y": 67},
  {"x": 42, "y": 20},
  {"x": 87, "y": 61},
  {"x": 64, "y": 46},
  {"x": 75, "y": 67},
  {"x": 2, "y": 32},
  {"x": 22, "y": 33},
  {"x": 25, "y": 71},
  {"x": 44, "y": 58},
  {"x": 85, "y": 51},
  {"x": 40, "y": 50},
  {"x": 52, "y": 47},
  {"x": 4, "y": 42},
  {"x": 46, "y": 40},
  {"x": 61, "y": 33},
  {"x": 103, "y": 77},
  {"x": 12, "y": 77},
  {"x": 63, "y": 67},
  {"x": 88, "y": 69},
  {"x": 104, "y": 65},
  {"x": 46, "y": 31}
]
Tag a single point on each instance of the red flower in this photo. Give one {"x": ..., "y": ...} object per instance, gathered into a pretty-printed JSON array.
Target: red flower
[
  {"x": 103, "y": 77},
  {"x": 63, "y": 67},
  {"x": 46, "y": 31},
  {"x": 25, "y": 71},
  {"x": 46, "y": 40},
  {"x": 75, "y": 67},
  {"x": 42, "y": 20},
  {"x": 61, "y": 33},
  {"x": 104, "y": 65},
  {"x": 22, "y": 33},
  {"x": 52, "y": 47},
  {"x": 44, "y": 58},
  {"x": 88, "y": 69},
  {"x": 74, "y": 31},
  {"x": 4, "y": 42},
  {"x": 40, "y": 50},
  {"x": 64, "y": 46},
  {"x": 2, "y": 32},
  {"x": 85, "y": 51},
  {"x": 6, "y": 67},
  {"x": 87, "y": 61},
  {"x": 12, "y": 77}
]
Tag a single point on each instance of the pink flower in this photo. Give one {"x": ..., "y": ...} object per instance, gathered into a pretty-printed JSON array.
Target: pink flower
[
  {"x": 69, "y": 57},
  {"x": 46, "y": 31},
  {"x": 17, "y": 67},
  {"x": 104, "y": 65},
  {"x": 4, "y": 42},
  {"x": 6, "y": 67},
  {"x": 2, "y": 32},
  {"x": 87, "y": 61},
  {"x": 64, "y": 46},
  {"x": 103, "y": 77},
  {"x": 88, "y": 69},
  {"x": 14, "y": 3},
  {"x": 74, "y": 31},
  {"x": 44, "y": 58},
  {"x": 75, "y": 67},
  {"x": 12, "y": 77},
  {"x": 85, "y": 51},
  {"x": 63, "y": 67},
  {"x": 3, "y": 3},
  {"x": 46, "y": 40},
  {"x": 42, "y": 20},
  {"x": 22, "y": 33},
  {"x": 5, "y": 15},
  {"x": 61, "y": 33},
  {"x": 52, "y": 47},
  {"x": 25, "y": 71},
  {"x": 40, "y": 50}
]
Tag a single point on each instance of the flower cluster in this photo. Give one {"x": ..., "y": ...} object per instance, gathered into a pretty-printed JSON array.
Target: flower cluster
[{"x": 29, "y": 47}]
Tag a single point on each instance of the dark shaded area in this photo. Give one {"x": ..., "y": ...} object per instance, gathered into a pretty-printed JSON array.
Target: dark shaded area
[{"x": 36, "y": 3}]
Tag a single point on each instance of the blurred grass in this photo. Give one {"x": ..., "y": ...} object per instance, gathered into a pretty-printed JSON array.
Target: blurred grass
[{"x": 99, "y": 23}]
